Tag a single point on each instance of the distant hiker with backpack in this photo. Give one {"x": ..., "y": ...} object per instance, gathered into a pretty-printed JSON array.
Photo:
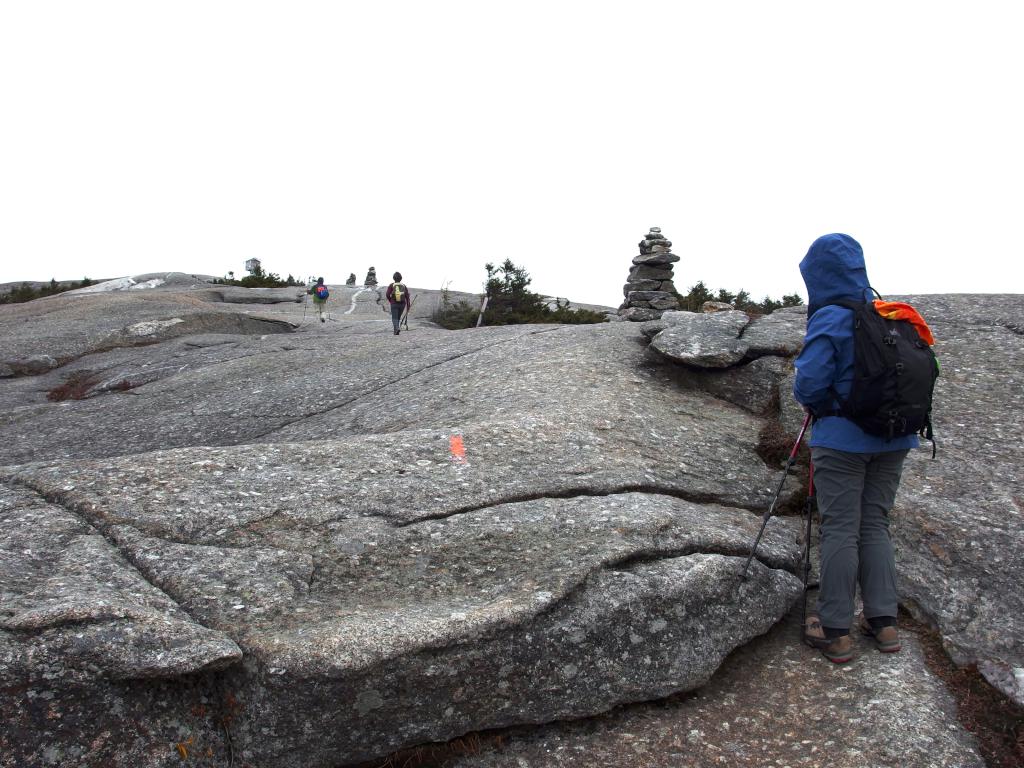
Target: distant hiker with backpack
[
  {"x": 398, "y": 296},
  {"x": 320, "y": 294},
  {"x": 866, "y": 374}
]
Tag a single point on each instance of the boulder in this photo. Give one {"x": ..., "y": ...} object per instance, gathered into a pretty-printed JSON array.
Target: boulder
[
  {"x": 780, "y": 333},
  {"x": 715, "y": 306},
  {"x": 704, "y": 340}
]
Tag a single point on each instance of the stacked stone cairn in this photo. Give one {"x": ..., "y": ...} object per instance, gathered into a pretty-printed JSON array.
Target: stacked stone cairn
[
  {"x": 371, "y": 277},
  {"x": 649, "y": 289},
  {"x": 351, "y": 279}
]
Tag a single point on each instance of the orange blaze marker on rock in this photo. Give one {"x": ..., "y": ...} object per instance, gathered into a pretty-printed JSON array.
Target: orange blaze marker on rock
[{"x": 457, "y": 448}]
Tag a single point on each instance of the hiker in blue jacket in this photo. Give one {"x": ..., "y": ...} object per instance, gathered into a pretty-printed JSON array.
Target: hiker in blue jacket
[{"x": 856, "y": 474}]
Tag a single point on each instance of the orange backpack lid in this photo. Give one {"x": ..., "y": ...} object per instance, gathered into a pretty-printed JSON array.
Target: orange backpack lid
[{"x": 898, "y": 310}]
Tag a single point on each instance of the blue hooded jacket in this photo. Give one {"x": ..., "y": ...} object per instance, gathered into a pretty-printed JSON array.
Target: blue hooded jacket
[{"x": 834, "y": 269}]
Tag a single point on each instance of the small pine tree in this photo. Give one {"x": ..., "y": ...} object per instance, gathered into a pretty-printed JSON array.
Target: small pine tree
[
  {"x": 741, "y": 300},
  {"x": 509, "y": 302},
  {"x": 693, "y": 300}
]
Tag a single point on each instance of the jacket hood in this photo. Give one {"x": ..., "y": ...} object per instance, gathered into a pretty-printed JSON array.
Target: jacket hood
[{"x": 834, "y": 269}]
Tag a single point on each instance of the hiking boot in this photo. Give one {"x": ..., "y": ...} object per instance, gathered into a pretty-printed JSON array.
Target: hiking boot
[
  {"x": 838, "y": 650},
  {"x": 887, "y": 639},
  {"x": 322, "y": 320}
]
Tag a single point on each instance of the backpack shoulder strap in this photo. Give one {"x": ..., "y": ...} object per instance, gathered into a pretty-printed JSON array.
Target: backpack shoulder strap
[{"x": 842, "y": 410}]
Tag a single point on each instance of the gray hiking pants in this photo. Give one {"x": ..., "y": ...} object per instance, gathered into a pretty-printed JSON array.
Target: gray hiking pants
[{"x": 855, "y": 493}]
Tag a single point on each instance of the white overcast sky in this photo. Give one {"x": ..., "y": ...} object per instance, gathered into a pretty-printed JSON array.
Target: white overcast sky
[{"x": 433, "y": 137}]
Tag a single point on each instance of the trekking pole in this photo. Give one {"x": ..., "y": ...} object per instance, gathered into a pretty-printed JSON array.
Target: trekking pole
[
  {"x": 305, "y": 296},
  {"x": 405, "y": 315},
  {"x": 771, "y": 508},
  {"x": 808, "y": 515}
]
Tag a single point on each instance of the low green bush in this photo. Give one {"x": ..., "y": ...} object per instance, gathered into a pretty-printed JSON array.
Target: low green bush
[
  {"x": 25, "y": 292},
  {"x": 699, "y": 293},
  {"x": 258, "y": 279},
  {"x": 509, "y": 302}
]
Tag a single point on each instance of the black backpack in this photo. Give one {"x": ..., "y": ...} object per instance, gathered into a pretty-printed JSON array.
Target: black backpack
[{"x": 894, "y": 373}]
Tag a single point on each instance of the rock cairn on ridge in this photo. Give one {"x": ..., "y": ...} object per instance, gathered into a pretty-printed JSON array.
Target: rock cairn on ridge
[
  {"x": 351, "y": 279},
  {"x": 371, "y": 277},
  {"x": 649, "y": 290}
]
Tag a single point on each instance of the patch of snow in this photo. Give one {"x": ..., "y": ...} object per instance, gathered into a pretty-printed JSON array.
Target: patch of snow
[
  {"x": 147, "y": 284},
  {"x": 354, "y": 297},
  {"x": 151, "y": 327},
  {"x": 119, "y": 284}
]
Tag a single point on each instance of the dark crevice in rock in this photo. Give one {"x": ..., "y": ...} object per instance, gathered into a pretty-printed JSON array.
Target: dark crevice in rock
[
  {"x": 42, "y": 625},
  {"x": 645, "y": 557},
  {"x": 745, "y": 328},
  {"x": 225, "y": 709},
  {"x": 222, "y": 297},
  {"x": 314, "y": 574},
  {"x": 57, "y": 499},
  {"x": 994, "y": 720},
  {"x": 20, "y": 368}
]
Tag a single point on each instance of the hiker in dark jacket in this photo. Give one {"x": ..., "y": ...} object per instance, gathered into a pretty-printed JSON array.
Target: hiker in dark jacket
[
  {"x": 856, "y": 474},
  {"x": 398, "y": 296}
]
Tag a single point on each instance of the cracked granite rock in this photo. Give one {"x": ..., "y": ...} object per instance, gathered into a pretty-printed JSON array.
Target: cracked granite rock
[
  {"x": 97, "y": 665},
  {"x": 960, "y": 535},
  {"x": 512, "y": 525},
  {"x": 776, "y": 702},
  {"x": 376, "y": 631},
  {"x": 959, "y": 524},
  {"x": 46, "y": 333}
]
